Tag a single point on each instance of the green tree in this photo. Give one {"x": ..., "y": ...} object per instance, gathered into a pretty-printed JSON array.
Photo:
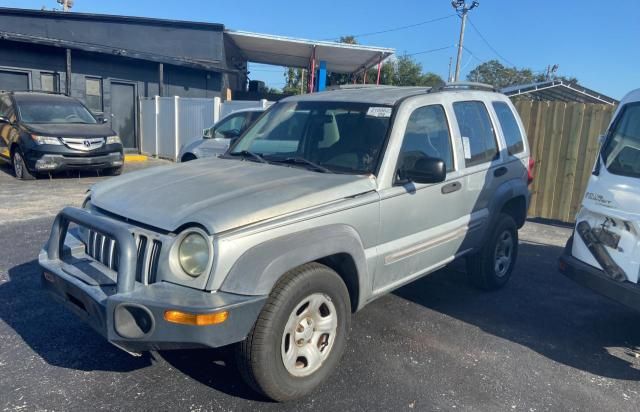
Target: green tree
[
  {"x": 293, "y": 79},
  {"x": 496, "y": 74}
]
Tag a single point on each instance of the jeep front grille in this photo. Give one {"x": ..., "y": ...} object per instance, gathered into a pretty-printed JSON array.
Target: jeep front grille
[{"x": 104, "y": 250}]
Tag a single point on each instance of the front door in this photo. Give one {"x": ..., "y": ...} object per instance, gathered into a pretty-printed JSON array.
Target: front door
[
  {"x": 423, "y": 225},
  {"x": 123, "y": 110}
]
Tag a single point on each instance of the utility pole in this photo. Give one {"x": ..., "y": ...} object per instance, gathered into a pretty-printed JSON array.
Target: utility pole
[
  {"x": 449, "y": 79},
  {"x": 462, "y": 8}
]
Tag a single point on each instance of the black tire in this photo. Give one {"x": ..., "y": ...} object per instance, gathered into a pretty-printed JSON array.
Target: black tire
[
  {"x": 20, "y": 169},
  {"x": 188, "y": 157},
  {"x": 484, "y": 269},
  {"x": 260, "y": 356},
  {"x": 112, "y": 171}
]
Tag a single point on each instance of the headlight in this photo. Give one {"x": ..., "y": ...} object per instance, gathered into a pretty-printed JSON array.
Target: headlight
[
  {"x": 45, "y": 139},
  {"x": 114, "y": 140},
  {"x": 194, "y": 253}
]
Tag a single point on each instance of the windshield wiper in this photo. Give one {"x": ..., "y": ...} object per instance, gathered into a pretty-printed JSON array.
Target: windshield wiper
[
  {"x": 301, "y": 160},
  {"x": 248, "y": 153}
]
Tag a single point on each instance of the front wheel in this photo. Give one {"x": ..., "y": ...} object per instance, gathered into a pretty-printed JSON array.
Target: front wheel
[
  {"x": 491, "y": 267},
  {"x": 299, "y": 336},
  {"x": 20, "y": 167}
]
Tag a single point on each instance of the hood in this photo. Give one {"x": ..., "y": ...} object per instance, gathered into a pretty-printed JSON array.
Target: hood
[
  {"x": 221, "y": 194},
  {"x": 71, "y": 130}
]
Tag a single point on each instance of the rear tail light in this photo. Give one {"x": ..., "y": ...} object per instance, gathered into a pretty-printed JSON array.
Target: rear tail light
[{"x": 532, "y": 164}]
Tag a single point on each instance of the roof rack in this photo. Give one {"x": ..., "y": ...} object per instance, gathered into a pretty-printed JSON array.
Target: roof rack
[
  {"x": 463, "y": 86},
  {"x": 357, "y": 86}
]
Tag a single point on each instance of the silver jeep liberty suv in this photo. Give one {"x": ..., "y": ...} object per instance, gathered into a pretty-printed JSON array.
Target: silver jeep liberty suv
[{"x": 327, "y": 202}]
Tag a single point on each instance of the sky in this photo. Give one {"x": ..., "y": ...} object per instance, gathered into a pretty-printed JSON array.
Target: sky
[{"x": 592, "y": 40}]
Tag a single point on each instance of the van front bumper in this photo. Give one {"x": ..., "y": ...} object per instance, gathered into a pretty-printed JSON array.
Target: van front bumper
[
  {"x": 595, "y": 279},
  {"x": 127, "y": 313}
]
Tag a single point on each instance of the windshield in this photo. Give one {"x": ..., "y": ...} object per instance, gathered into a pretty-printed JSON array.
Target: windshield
[
  {"x": 621, "y": 153},
  {"x": 62, "y": 111},
  {"x": 337, "y": 136}
]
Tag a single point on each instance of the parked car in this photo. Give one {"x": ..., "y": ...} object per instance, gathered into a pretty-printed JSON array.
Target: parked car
[
  {"x": 329, "y": 201},
  {"x": 216, "y": 139},
  {"x": 603, "y": 252},
  {"x": 45, "y": 133}
]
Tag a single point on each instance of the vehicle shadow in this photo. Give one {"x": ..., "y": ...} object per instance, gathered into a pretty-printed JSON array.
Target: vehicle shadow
[
  {"x": 54, "y": 333},
  {"x": 215, "y": 368},
  {"x": 542, "y": 310}
]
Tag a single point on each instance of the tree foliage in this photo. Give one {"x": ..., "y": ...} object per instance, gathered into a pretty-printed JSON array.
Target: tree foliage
[{"x": 496, "y": 74}]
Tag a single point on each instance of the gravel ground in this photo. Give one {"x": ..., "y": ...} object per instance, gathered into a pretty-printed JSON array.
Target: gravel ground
[{"x": 541, "y": 343}]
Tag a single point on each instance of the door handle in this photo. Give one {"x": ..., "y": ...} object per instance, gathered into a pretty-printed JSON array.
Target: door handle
[
  {"x": 451, "y": 187},
  {"x": 501, "y": 171}
]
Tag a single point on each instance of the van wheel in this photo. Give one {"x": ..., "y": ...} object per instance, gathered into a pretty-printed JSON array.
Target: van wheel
[
  {"x": 188, "y": 157},
  {"x": 300, "y": 335},
  {"x": 491, "y": 267},
  {"x": 20, "y": 166}
]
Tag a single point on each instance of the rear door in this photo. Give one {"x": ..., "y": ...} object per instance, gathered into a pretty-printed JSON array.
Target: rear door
[{"x": 482, "y": 164}]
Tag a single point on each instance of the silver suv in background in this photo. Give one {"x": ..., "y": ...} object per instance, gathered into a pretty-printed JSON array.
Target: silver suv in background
[
  {"x": 329, "y": 201},
  {"x": 217, "y": 138}
]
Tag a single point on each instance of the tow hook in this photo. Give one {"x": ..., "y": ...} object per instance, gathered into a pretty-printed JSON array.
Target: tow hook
[{"x": 599, "y": 252}]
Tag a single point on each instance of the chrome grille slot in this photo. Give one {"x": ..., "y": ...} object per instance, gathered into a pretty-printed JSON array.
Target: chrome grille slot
[{"x": 105, "y": 250}]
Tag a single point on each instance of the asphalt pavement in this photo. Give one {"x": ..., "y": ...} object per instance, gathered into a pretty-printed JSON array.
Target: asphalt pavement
[{"x": 541, "y": 343}]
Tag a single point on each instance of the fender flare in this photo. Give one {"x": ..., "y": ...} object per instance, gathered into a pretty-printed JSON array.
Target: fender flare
[
  {"x": 259, "y": 268},
  {"x": 505, "y": 193}
]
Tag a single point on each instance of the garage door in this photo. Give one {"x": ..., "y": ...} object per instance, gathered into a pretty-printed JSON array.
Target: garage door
[{"x": 13, "y": 80}]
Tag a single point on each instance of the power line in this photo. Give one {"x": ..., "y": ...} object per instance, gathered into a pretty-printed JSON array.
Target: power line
[
  {"x": 429, "y": 51},
  {"x": 409, "y": 26},
  {"x": 489, "y": 45}
]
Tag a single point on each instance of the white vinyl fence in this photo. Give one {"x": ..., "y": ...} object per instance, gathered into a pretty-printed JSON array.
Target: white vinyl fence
[{"x": 168, "y": 123}]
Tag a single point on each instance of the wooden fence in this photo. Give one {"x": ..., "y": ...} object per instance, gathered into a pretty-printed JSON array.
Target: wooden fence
[{"x": 564, "y": 142}]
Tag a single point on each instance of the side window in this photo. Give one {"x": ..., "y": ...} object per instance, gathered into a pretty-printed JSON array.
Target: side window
[
  {"x": 93, "y": 92},
  {"x": 478, "y": 137},
  {"x": 427, "y": 134},
  {"x": 510, "y": 128},
  {"x": 234, "y": 122}
]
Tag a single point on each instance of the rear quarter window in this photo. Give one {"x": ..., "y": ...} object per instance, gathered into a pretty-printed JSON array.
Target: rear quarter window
[{"x": 510, "y": 128}]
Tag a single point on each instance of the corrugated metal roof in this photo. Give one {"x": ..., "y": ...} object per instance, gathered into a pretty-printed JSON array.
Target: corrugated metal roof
[
  {"x": 558, "y": 90},
  {"x": 293, "y": 52}
]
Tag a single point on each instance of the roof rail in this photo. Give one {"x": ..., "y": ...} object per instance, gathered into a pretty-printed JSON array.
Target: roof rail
[
  {"x": 356, "y": 86},
  {"x": 463, "y": 86}
]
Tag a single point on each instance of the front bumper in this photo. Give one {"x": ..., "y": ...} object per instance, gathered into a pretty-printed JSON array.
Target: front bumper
[
  {"x": 49, "y": 158},
  {"x": 593, "y": 278},
  {"x": 127, "y": 313}
]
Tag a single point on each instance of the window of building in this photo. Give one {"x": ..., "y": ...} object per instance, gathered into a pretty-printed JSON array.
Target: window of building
[
  {"x": 49, "y": 82},
  {"x": 428, "y": 135},
  {"x": 478, "y": 137},
  {"x": 93, "y": 93},
  {"x": 510, "y": 128}
]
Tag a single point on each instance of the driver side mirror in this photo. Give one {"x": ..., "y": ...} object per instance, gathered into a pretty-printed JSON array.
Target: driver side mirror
[
  {"x": 207, "y": 133},
  {"x": 426, "y": 170}
]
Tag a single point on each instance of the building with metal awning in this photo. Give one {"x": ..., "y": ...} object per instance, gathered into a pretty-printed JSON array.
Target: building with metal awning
[{"x": 319, "y": 57}]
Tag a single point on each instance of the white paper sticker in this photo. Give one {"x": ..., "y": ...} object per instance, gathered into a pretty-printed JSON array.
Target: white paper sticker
[
  {"x": 466, "y": 145},
  {"x": 379, "y": 111}
]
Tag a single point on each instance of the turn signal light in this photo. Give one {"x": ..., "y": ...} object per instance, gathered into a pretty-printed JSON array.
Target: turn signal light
[{"x": 195, "y": 319}]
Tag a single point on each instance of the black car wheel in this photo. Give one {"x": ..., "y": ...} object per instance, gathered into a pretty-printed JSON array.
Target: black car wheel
[{"x": 20, "y": 167}]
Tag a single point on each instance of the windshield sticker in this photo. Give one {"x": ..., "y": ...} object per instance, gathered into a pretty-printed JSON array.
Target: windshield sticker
[
  {"x": 379, "y": 111},
  {"x": 466, "y": 145}
]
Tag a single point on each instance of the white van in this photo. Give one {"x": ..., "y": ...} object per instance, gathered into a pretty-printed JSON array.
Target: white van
[{"x": 604, "y": 252}]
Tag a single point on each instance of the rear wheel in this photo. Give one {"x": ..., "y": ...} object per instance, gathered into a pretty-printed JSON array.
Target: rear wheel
[
  {"x": 20, "y": 166},
  {"x": 491, "y": 267},
  {"x": 299, "y": 336}
]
